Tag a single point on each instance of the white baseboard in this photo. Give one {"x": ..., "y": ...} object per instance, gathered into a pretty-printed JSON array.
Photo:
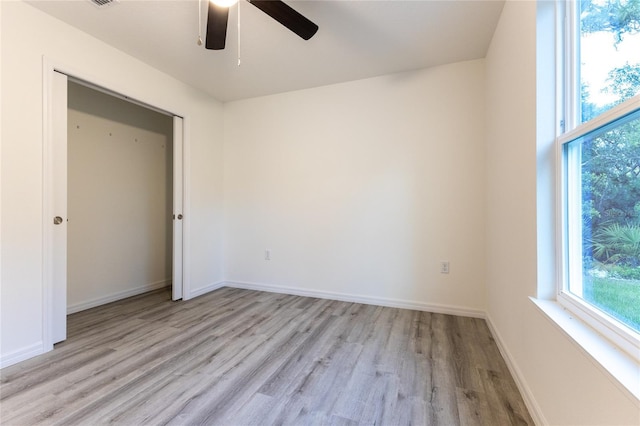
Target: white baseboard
[
  {"x": 117, "y": 296},
  {"x": 534, "y": 409},
  {"x": 211, "y": 287},
  {"x": 21, "y": 354},
  {"x": 367, "y": 300}
]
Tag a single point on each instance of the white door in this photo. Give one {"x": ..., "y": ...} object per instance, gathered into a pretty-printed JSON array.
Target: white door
[
  {"x": 178, "y": 219},
  {"x": 59, "y": 206}
]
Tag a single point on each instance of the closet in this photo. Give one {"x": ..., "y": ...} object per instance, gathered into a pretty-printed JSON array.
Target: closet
[{"x": 119, "y": 198}]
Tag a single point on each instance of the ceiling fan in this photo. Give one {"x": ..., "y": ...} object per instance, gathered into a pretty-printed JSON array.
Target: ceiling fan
[{"x": 218, "y": 16}]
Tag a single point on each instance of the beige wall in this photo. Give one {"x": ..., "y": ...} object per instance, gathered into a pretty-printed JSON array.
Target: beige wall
[
  {"x": 564, "y": 384},
  {"x": 28, "y": 35},
  {"x": 361, "y": 189},
  {"x": 119, "y": 199}
]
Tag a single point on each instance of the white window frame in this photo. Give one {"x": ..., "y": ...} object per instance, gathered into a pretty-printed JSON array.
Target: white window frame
[{"x": 570, "y": 232}]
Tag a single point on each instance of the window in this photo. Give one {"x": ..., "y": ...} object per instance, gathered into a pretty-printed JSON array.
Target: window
[{"x": 600, "y": 174}]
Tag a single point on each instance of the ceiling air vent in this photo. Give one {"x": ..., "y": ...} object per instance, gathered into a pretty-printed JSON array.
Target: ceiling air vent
[{"x": 102, "y": 2}]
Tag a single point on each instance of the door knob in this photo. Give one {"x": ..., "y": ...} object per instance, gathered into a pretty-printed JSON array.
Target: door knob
[
  {"x": 57, "y": 220},
  {"x": 179, "y": 217}
]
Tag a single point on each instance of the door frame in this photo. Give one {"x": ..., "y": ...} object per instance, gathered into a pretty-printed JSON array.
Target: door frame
[{"x": 49, "y": 67}]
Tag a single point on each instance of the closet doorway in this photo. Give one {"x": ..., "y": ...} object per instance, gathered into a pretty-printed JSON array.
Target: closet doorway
[{"x": 116, "y": 199}]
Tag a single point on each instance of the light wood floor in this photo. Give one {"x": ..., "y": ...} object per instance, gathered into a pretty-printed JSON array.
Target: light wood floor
[{"x": 236, "y": 357}]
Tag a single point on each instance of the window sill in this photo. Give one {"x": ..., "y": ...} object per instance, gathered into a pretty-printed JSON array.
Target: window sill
[{"x": 617, "y": 363}]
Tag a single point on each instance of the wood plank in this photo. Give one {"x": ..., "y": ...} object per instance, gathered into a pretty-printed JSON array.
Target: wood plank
[{"x": 237, "y": 356}]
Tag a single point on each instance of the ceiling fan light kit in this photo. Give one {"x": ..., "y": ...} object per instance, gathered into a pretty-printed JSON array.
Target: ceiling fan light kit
[
  {"x": 224, "y": 3},
  {"x": 218, "y": 15}
]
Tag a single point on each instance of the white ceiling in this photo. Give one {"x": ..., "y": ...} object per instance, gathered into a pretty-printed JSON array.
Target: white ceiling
[{"x": 356, "y": 39}]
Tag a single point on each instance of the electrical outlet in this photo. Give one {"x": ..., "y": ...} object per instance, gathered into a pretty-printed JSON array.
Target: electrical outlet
[
  {"x": 444, "y": 267},
  {"x": 267, "y": 255}
]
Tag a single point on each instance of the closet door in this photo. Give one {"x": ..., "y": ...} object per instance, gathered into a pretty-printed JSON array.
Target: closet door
[
  {"x": 178, "y": 219},
  {"x": 59, "y": 207}
]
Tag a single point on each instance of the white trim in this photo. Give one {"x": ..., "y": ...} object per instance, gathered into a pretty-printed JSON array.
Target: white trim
[
  {"x": 611, "y": 115},
  {"x": 570, "y": 234},
  {"x": 47, "y": 205},
  {"x": 186, "y": 208},
  {"x": 118, "y": 296},
  {"x": 207, "y": 289},
  {"x": 345, "y": 297},
  {"x": 571, "y": 73},
  {"x": 22, "y": 354},
  {"x": 620, "y": 334},
  {"x": 561, "y": 73},
  {"x": 527, "y": 395},
  {"x": 1, "y": 363},
  {"x": 621, "y": 369}
]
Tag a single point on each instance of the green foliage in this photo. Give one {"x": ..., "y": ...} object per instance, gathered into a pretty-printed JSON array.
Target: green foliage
[
  {"x": 619, "y": 298},
  {"x": 611, "y": 177},
  {"x": 624, "y": 82},
  {"x": 611, "y": 158},
  {"x": 623, "y": 272},
  {"x": 619, "y": 17},
  {"x": 617, "y": 244},
  {"x": 611, "y": 195},
  {"x": 589, "y": 109}
]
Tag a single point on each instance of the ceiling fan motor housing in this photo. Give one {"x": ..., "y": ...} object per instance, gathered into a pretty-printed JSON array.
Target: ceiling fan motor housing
[{"x": 101, "y": 3}]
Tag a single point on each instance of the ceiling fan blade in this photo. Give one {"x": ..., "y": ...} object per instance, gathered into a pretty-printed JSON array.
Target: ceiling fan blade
[
  {"x": 288, "y": 17},
  {"x": 217, "y": 18}
]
